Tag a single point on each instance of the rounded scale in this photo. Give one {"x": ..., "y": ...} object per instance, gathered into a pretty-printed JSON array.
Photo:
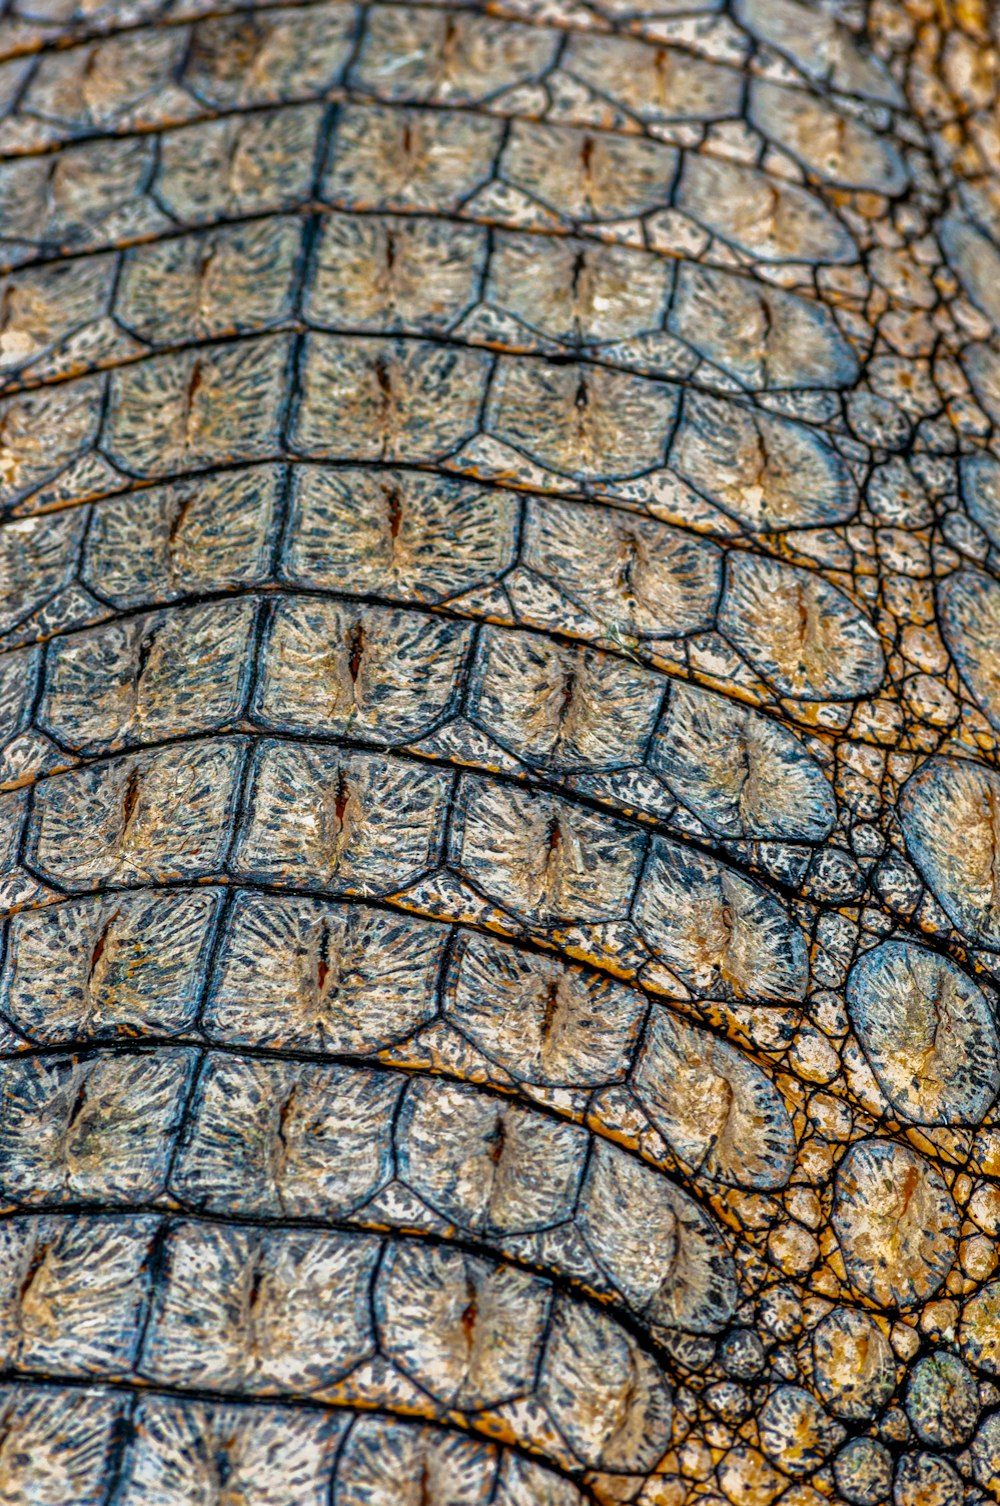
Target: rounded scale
[
  {"x": 969, "y": 613},
  {"x": 895, "y": 1221},
  {"x": 741, "y": 1354},
  {"x": 980, "y": 361},
  {"x": 740, "y": 772},
  {"x": 986, "y": 1455},
  {"x": 834, "y": 146},
  {"x": 796, "y": 1432},
  {"x": 802, "y": 635},
  {"x": 853, "y": 1364},
  {"x": 863, "y": 1472},
  {"x": 950, "y": 814},
  {"x": 924, "y": 1480},
  {"x": 942, "y": 1400},
  {"x": 979, "y": 1333},
  {"x": 927, "y": 1031},
  {"x": 980, "y": 475},
  {"x": 974, "y": 259},
  {"x": 764, "y": 216}
]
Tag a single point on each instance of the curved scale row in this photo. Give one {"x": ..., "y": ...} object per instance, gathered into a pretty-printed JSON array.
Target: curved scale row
[
  {"x": 632, "y": 584},
  {"x": 398, "y": 399},
  {"x": 258, "y": 1311},
  {"x": 206, "y": 807},
  {"x": 417, "y": 55},
  {"x": 304, "y": 975},
  {"x": 422, "y": 275},
  {"x": 177, "y": 1451},
  {"x": 407, "y": 158},
  {"x": 398, "y": 678},
  {"x": 281, "y": 1140}
]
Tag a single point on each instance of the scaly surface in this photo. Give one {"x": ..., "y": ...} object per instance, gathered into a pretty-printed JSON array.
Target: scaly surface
[{"x": 499, "y": 715}]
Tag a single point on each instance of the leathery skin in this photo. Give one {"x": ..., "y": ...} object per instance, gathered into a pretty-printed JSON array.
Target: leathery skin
[{"x": 499, "y": 715}]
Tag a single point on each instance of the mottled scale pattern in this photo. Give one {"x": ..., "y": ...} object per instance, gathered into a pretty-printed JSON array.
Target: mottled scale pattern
[{"x": 499, "y": 753}]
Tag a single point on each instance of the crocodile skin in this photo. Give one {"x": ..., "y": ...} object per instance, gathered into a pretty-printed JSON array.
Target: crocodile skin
[{"x": 500, "y": 751}]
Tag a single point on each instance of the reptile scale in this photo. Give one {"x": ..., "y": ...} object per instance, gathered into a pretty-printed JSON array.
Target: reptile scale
[{"x": 500, "y": 750}]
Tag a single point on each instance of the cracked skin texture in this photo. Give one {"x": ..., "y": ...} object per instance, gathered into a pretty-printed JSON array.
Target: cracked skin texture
[{"x": 499, "y": 538}]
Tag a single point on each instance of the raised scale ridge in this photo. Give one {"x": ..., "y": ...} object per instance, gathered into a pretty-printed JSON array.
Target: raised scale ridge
[{"x": 500, "y": 753}]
